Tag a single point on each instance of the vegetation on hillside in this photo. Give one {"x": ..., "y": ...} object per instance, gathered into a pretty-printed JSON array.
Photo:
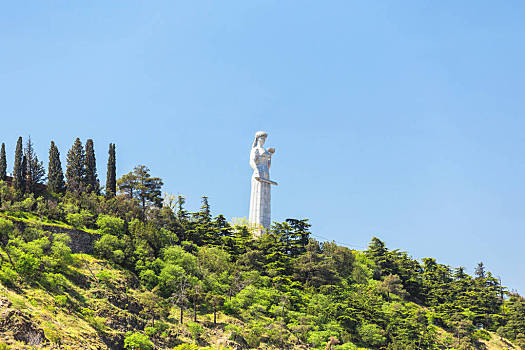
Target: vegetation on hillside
[{"x": 160, "y": 276}]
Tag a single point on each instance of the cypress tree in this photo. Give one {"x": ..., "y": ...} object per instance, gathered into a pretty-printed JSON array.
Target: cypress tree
[
  {"x": 111, "y": 180},
  {"x": 18, "y": 176},
  {"x": 76, "y": 169},
  {"x": 23, "y": 170},
  {"x": 3, "y": 163},
  {"x": 91, "y": 180},
  {"x": 55, "y": 181},
  {"x": 34, "y": 168}
]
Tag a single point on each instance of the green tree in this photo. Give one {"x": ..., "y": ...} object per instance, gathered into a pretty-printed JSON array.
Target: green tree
[
  {"x": 18, "y": 169},
  {"x": 137, "y": 341},
  {"x": 111, "y": 179},
  {"x": 392, "y": 284},
  {"x": 378, "y": 252},
  {"x": 178, "y": 276},
  {"x": 371, "y": 334},
  {"x": 480, "y": 271},
  {"x": 76, "y": 168},
  {"x": 140, "y": 185},
  {"x": 3, "y": 163},
  {"x": 24, "y": 173},
  {"x": 91, "y": 178},
  {"x": 342, "y": 258},
  {"x": 313, "y": 268},
  {"x": 55, "y": 180},
  {"x": 204, "y": 214},
  {"x": 175, "y": 282},
  {"x": 109, "y": 246},
  {"x": 111, "y": 225},
  {"x": 6, "y": 229},
  {"x": 34, "y": 170},
  {"x": 153, "y": 305}
]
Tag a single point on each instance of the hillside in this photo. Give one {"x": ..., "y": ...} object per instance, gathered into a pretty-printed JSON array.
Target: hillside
[
  {"x": 125, "y": 267},
  {"x": 87, "y": 301}
]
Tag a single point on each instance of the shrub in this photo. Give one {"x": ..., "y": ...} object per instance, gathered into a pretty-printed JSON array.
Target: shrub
[
  {"x": 80, "y": 220},
  {"x": 149, "y": 278},
  {"x": 27, "y": 264},
  {"x": 60, "y": 252},
  {"x": 195, "y": 330},
  {"x": 25, "y": 205},
  {"x": 110, "y": 225},
  {"x": 371, "y": 334},
  {"x": 61, "y": 300},
  {"x": 98, "y": 323},
  {"x": 8, "y": 276},
  {"x": 162, "y": 326},
  {"x": 253, "y": 336},
  {"x": 119, "y": 256},
  {"x": 53, "y": 281},
  {"x": 106, "y": 245},
  {"x": 236, "y": 332},
  {"x": 138, "y": 341},
  {"x": 105, "y": 277},
  {"x": 150, "y": 331},
  {"x": 317, "y": 338},
  {"x": 6, "y": 228},
  {"x": 481, "y": 334}
]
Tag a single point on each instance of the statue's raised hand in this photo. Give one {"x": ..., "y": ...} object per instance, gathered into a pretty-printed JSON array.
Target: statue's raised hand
[{"x": 271, "y": 150}]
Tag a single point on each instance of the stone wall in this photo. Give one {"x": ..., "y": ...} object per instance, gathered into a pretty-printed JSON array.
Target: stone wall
[{"x": 81, "y": 241}]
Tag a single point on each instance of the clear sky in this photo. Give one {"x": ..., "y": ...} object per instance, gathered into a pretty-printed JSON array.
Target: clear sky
[{"x": 399, "y": 120}]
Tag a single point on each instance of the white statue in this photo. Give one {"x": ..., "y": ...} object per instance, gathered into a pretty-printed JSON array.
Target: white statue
[{"x": 260, "y": 161}]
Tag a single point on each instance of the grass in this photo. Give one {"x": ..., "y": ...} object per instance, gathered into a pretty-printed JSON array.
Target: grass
[
  {"x": 33, "y": 219},
  {"x": 497, "y": 343}
]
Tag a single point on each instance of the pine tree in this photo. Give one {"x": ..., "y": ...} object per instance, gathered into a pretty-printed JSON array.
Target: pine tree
[
  {"x": 111, "y": 180},
  {"x": 480, "y": 271},
  {"x": 140, "y": 185},
  {"x": 204, "y": 214},
  {"x": 55, "y": 174},
  {"x": 76, "y": 170},
  {"x": 34, "y": 169},
  {"x": 18, "y": 176},
  {"x": 3, "y": 163},
  {"x": 91, "y": 180}
]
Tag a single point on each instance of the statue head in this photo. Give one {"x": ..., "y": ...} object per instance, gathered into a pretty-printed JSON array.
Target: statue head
[{"x": 259, "y": 135}]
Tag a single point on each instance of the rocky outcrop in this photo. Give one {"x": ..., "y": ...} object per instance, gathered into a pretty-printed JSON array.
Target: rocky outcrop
[{"x": 19, "y": 325}]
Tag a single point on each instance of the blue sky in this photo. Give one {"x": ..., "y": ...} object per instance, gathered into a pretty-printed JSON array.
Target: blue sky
[{"x": 403, "y": 121}]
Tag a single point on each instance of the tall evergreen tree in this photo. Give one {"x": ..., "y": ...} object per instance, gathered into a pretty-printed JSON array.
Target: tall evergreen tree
[
  {"x": 3, "y": 163},
  {"x": 55, "y": 181},
  {"x": 34, "y": 169},
  {"x": 91, "y": 179},
  {"x": 24, "y": 173},
  {"x": 480, "y": 271},
  {"x": 111, "y": 180},
  {"x": 140, "y": 185},
  {"x": 18, "y": 176},
  {"x": 204, "y": 214},
  {"x": 76, "y": 169}
]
